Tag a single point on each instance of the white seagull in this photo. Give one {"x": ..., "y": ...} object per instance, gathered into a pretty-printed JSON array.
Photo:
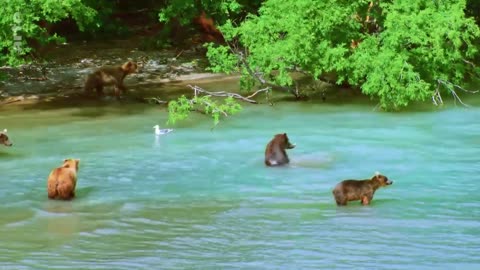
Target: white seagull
[{"x": 159, "y": 131}]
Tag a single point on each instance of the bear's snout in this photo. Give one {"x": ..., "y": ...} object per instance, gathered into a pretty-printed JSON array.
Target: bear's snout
[{"x": 389, "y": 182}]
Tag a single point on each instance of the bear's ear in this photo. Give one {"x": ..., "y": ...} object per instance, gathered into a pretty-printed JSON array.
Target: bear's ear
[
  {"x": 126, "y": 65},
  {"x": 285, "y": 134},
  {"x": 66, "y": 164}
]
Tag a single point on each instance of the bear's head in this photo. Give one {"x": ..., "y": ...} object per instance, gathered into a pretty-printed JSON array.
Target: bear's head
[
  {"x": 129, "y": 67},
  {"x": 4, "y": 138},
  {"x": 71, "y": 163},
  {"x": 284, "y": 141},
  {"x": 381, "y": 179}
]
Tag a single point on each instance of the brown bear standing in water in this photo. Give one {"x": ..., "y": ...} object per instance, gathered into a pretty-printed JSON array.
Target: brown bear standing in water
[
  {"x": 363, "y": 190},
  {"x": 4, "y": 138},
  {"x": 275, "y": 154},
  {"x": 110, "y": 75},
  {"x": 62, "y": 180}
]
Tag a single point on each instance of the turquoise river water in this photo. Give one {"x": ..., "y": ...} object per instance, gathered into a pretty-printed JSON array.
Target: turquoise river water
[{"x": 203, "y": 199}]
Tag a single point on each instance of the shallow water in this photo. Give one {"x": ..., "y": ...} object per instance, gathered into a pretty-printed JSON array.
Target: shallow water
[{"x": 202, "y": 199}]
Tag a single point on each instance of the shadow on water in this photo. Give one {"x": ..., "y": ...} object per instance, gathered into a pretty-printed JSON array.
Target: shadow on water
[
  {"x": 90, "y": 107},
  {"x": 313, "y": 161}
]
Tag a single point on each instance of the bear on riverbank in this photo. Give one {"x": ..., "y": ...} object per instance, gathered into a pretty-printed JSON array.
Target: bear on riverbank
[
  {"x": 63, "y": 180},
  {"x": 363, "y": 190},
  {"x": 275, "y": 154},
  {"x": 110, "y": 75},
  {"x": 4, "y": 138}
]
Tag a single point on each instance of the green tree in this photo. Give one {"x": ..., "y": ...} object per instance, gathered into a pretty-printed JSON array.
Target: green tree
[
  {"x": 21, "y": 21},
  {"x": 397, "y": 51},
  {"x": 186, "y": 10}
]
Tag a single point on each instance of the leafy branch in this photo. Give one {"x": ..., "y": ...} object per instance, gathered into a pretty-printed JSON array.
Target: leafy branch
[{"x": 203, "y": 102}]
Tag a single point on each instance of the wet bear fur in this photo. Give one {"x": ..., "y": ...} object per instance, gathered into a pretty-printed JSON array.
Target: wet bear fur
[
  {"x": 275, "y": 152},
  {"x": 62, "y": 181},
  {"x": 362, "y": 190},
  {"x": 4, "y": 138}
]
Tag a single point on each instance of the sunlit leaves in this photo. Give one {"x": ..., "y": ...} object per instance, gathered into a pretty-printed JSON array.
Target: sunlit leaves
[
  {"x": 416, "y": 43},
  {"x": 20, "y": 21},
  {"x": 181, "y": 108},
  {"x": 421, "y": 43}
]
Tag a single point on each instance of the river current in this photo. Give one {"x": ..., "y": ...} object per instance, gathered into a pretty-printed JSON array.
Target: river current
[{"x": 198, "y": 198}]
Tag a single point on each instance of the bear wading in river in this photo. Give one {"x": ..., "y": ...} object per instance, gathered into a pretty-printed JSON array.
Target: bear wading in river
[
  {"x": 359, "y": 190},
  {"x": 63, "y": 180},
  {"x": 275, "y": 154},
  {"x": 4, "y": 138}
]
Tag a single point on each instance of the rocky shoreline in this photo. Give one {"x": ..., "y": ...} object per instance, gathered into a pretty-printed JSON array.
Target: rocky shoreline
[{"x": 63, "y": 74}]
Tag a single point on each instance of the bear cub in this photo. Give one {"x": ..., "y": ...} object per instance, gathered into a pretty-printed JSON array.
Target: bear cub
[
  {"x": 63, "y": 180},
  {"x": 363, "y": 190},
  {"x": 275, "y": 154}
]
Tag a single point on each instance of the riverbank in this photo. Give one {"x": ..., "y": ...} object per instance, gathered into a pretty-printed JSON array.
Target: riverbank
[{"x": 163, "y": 75}]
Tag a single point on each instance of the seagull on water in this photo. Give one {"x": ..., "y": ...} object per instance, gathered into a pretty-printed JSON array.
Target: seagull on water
[{"x": 159, "y": 131}]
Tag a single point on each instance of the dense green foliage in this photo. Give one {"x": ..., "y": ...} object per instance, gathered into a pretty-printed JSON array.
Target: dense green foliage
[
  {"x": 21, "y": 21},
  {"x": 186, "y": 10},
  {"x": 395, "y": 51},
  {"x": 404, "y": 51}
]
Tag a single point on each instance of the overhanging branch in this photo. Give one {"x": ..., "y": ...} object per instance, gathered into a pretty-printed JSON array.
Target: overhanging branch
[{"x": 198, "y": 90}]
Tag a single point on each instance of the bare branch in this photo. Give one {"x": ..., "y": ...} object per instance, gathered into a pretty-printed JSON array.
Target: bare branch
[
  {"x": 437, "y": 97},
  {"x": 260, "y": 78},
  {"x": 450, "y": 87},
  {"x": 198, "y": 90},
  {"x": 267, "y": 89},
  {"x": 468, "y": 62},
  {"x": 156, "y": 100},
  {"x": 458, "y": 86}
]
